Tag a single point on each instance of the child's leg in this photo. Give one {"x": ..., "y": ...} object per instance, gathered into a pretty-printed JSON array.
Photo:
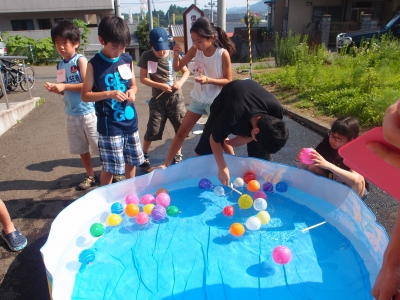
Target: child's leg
[
  {"x": 133, "y": 154},
  {"x": 105, "y": 177},
  {"x": 146, "y": 146},
  {"x": 87, "y": 163},
  {"x": 130, "y": 171},
  {"x": 5, "y": 219},
  {"x": 176, "y": 111},
  {"x": 187, "y": 124}
]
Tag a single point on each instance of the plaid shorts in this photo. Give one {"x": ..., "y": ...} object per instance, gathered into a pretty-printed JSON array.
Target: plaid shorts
[{"x": 116, "y": 151}]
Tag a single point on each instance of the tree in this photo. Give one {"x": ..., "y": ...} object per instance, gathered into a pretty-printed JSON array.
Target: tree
[{"x": 143, "y": 33}]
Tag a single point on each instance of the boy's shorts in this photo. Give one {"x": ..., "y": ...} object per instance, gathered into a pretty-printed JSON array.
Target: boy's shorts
[
  {"x": 82, "y": 133},
  {"x": 161, "y": 109},
  {"x": 116, "y": 151},
  {"x": 200, "y": 108}
]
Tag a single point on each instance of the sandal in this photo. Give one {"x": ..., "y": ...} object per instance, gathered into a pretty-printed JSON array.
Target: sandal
[
  {"x": 15, "y": 240},
  {"x": 146, "y": 165},
  {"x": 178, "y": 158}
]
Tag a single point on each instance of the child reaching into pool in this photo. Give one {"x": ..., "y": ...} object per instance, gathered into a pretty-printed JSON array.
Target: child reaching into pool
[
  {"x": 212, "y": 69},
  {"x": 327, "y": 161}
]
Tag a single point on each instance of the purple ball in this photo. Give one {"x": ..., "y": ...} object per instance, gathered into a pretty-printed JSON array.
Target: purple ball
[
  {"x": 205, "y": 184},
  {"x": 158, "y": 213},
  {"x": 268, "y": 187}
]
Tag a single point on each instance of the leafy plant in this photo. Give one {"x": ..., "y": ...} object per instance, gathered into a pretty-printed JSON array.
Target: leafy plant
[{"x": 143, "y": 33}]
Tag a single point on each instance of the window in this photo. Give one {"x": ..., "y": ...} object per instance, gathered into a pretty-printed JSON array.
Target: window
[
  {"x": 44, "y": 23},
  {"x": 22, "y": 25}
]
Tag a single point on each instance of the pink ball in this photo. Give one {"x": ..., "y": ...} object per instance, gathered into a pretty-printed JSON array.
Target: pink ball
[
  {"x": 260, "y": 194},
  {"x": 142, "y": 218},
  {"x": 305, "y": 156},
  {"x": 281, "y": 255},
  {"x": 163, "y": 199},
  {"x": 131, "y": 199},
  {"x": 147, "y": 199}
]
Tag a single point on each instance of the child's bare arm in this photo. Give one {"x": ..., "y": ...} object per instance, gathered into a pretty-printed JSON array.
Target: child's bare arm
[
  {"x": 179, "y": 63},
  {"x": 131, "y": 93},
  {"x": 181, "y": 81},
  {"x": 158, "y": 85}
]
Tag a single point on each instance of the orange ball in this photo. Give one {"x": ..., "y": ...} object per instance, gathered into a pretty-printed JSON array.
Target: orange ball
[
  {"x": 249, "y": 176},
  {"x": 132, "y": 210},
  {"x": 253, "y": 186},
  {"x": 236, "y": 229},
  {"x": 162, "y": 190}
]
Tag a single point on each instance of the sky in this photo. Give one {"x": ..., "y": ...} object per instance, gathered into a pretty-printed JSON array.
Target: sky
[{"x": 164, "y": 4}]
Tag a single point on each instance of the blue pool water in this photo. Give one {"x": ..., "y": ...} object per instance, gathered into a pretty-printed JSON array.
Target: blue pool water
[{"x": 194, "y": 256}]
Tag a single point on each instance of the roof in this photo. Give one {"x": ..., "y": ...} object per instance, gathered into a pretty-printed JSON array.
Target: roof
[{"x": 177, "y": 30}]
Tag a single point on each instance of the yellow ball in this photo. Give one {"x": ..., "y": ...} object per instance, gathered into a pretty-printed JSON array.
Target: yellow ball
[
  {"x": 113, "y": 220},
  {"x": 245, "y": 201},
  {"x": 148, "y": 208},
  {"x": 264, "y": 217}
]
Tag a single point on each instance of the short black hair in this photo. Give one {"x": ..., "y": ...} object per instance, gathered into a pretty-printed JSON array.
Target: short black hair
[
  {"x": 66, "y": 30},
  {"x": 273, "y": 133},
  {"x": 346, "y": 126},
  {"x": 113, "y": 29}
]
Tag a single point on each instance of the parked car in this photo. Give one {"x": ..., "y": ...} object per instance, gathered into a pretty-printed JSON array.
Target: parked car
[
  {"x": 354, "y": 38},
  {"x": 3, "y": 49}
]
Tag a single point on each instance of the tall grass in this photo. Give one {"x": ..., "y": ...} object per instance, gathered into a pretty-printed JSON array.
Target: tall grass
[{"x": 361, "y": 84}]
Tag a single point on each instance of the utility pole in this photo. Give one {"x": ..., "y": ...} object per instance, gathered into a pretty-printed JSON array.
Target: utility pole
[
  {"x": 150, "y": 15},
  {"x": 211, "y": 4},
  {"x": 221, "y": 14},
  {"x": 117, "y": 8}
]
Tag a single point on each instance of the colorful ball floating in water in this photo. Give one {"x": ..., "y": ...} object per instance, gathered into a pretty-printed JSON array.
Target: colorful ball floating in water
[
  {"x": 86, "y": 256},
  {"x": 260, "y": 194},
  {"x": 205, "y": 184},
  {"x": 245, "y": 201},
  {"x": 131, "y": 199},
  {"x": 281, "y": 186},
  {"x": 253, "y": 223},
  {"x": 281, "y": 255},
  {"x": 113, "y": 220},
  {"x": 148, "y": 208},
  {"x": 117, "y": 208},
  {"x": 264, "y": 217},
  {"x": 163, "y": 199},
  {"x": 162, "y": 190},
  {"x": 249, "y": 176},
  {"x": 305, "y": 156},
  {"x": 228, "y": 211},
  {"x": 142, "y": 218},
  {"x": 260, "y": 204},
  {"x": 239, "y": 182},
  {"x": 219, "y": 191},
  {"x": 132, "y": 210},
  {"x": 172, "y": 211},
  {"x": 253, "y": 186},
  {"x": 97, "y": 229},
  {"x": 158, "y": 213},
  {"x": 147, "y": 198},
  {"x": 268, "y": 187},
  {"x": 236, "y": 229}
]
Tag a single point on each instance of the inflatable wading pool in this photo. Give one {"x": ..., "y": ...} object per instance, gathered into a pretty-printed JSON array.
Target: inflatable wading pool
[{"x": 278, "y": 233}]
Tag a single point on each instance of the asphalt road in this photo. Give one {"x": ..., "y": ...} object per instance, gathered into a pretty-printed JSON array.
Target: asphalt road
[{"x": 38, "y": 178}]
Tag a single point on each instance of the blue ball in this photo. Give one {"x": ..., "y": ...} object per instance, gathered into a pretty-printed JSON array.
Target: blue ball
[
  {"x": 281, "y": 186},
  {"x": 86, "y": 257},
  {"x": 117, "y": 208},
  {"x": 205, "y": 184}
]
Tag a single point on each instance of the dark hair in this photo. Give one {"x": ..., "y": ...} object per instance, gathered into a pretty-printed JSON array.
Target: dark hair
[
  {"x": 206, "y": 30},
  {"x": 347, "y": 127},
  {"x": 66, "y": 30},
  {"x": 113, "y": 29},
  {"x": 273, "y": 133}
]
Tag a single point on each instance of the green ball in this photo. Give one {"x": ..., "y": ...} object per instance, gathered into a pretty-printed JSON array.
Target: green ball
[
  {"x": 97, "y": 229},
  {"x": 172, "y": 211}
]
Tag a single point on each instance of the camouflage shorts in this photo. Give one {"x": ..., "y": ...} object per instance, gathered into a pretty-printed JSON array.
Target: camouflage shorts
[{"x": 166, "y": 107}]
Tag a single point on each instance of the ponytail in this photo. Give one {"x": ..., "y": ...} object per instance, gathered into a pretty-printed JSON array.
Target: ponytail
[{"x": 224, "y": 41}]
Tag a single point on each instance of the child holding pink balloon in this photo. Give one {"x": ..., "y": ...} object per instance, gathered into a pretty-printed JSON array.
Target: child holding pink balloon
[{"x": 325, "y": 160}]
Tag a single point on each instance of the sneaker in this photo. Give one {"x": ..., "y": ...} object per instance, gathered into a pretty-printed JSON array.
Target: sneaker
[
  {"x": 88, "y": 182},
  {"x": 118, "y": 178},
  {"x": 146, "y": 165},
  {"x": 178, "y": 158}
]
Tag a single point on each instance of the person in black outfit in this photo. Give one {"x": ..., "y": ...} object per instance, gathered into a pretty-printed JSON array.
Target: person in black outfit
[{"x": 243, "y": 108}]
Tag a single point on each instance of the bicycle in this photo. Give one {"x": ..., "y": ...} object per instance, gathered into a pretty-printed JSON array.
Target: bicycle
[{"x": 13, "y": 76}]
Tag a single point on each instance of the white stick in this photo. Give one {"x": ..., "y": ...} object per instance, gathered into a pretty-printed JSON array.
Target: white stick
[
  {"x": 159, "y": 95},
  {"x": 239, "y": 192},
  {"x": 311, "y": 227}
]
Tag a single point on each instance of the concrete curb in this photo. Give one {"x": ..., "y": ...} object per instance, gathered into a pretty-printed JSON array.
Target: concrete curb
[
  {"x": 318, "y": 126},
  {"x": 18, "y": 110}
]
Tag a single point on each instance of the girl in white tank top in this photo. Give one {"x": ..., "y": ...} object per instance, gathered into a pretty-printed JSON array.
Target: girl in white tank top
[{"x": 211, "y": 51}]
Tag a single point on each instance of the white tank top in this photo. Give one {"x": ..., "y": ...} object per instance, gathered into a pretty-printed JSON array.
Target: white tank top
[{"x": 212, "y": 67}]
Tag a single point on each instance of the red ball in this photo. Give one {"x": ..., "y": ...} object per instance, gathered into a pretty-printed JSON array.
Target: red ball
[
  {"x": 228, "y": 211},
  {"x": 249, "y": 176}
]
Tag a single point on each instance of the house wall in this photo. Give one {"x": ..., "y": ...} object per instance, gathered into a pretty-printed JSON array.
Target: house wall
[{"x": 29, "y": 6}]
